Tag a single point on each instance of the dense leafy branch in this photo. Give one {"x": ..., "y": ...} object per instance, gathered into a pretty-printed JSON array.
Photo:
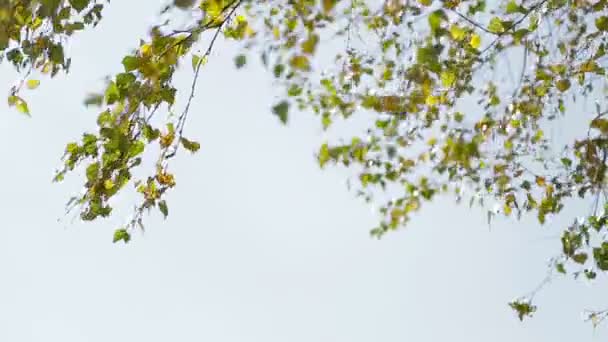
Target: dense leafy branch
[{"x": 443, "y": 116}]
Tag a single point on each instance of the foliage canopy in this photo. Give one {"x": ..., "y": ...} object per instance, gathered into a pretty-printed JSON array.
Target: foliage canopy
[{"x": 427, "y": 74}]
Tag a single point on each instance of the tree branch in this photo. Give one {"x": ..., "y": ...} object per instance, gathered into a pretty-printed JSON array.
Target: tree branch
[
  {"x": 472, "y": 22},
  {"x": 184, "y": 115}
]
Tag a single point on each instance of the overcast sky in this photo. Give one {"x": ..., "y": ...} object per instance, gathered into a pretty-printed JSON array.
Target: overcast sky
[{"x": 260, "y": 245}]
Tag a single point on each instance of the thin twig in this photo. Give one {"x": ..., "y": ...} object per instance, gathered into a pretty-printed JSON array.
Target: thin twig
[
  {"x": 184, "y": 115},
  {"x": 523, "y": 72},
  {"x": 473, "y": 22},
  {"x": 513, "y": 26}
]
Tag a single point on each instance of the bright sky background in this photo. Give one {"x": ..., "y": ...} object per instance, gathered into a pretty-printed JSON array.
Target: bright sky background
[{"x": 261, "y": 245}]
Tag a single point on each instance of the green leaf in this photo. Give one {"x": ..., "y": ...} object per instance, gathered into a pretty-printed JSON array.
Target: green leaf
[
  {"x": 56, "y": 54},
  {"x": 278, "y": 70},
  {"x": 324, "y": 156},
  {"x": 93, "y": 100},
  {"x": 130, "y": 63},
  {"x": 79, "y": 5},
  {"x": 429, "y": 57},
  {"x": 125, "y": 80},
  {"x": 92, "y": 172},
  {"x": 19, "y": 103},
  {"x": 121, "y": 235},
  {"x": 195, "y": 60},
  {"x": 136, "y": 148},
  {"x": 518, "y": 35},
  {"x": 168, "y": 95},
  {"x": 513, "y": 7},
  {"x": 294, "y": 90},
  {"x": 496, "y": 26},
  {"x": 71, "y": 147},
  {"x": 523, "y": 309},
  {"x": 281, "y": 110},
  {"x": 112, "y": 94},
  {"x": 435, "y": 20},
  {"x": 602, "y": 23},
  {"x": 184, "y": 4},
  {"x": 191, "y": 146},
  {"x": 600, "y": 254},
  {"x": 150, "y": 133},
  {"x": 580, "y": 258},
  {"x": 300, "y": 62},
  {"x": 162, "y": 206},
  {"x": 198, "y": 60},
  {"x": 240, "y": 61}
]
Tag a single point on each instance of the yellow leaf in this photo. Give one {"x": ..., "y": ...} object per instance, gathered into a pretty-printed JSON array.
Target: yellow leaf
[
  {"x": 108, "y": 184},
  {"x": 22, "y": 107},
  {"x": 563, "y": 85},
  {"x": 213, "y": 10},
  {"x": 37, "y": 23},
  {"x": 328, "y": 5},
  {"x": 300, "y": 62},
  {"x": 475, "y": 41},
  {"x": 46, "y": 68},
  {"x": 540, "y": 181},
  {"x": 145, "y": 49},
  {"x": 18, "y": 103},
  {"x": 457, "y": 32},
  {"x": 589, "y": 66},
  {"x": 448, "y": 78},
  {"x": 412, "y": 205},
  {"x": 310, "y": 45},
  {"x": 33, "y": 84},
  {"x": 392, "y": 104}
]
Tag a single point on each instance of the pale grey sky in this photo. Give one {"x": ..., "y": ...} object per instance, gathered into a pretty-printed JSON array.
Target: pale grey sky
[{"x": 260, "y": 244}]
